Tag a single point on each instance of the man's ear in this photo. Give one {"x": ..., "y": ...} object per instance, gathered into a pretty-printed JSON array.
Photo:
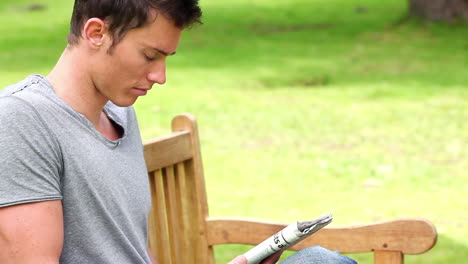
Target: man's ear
[{"x": 95, "y": 33}]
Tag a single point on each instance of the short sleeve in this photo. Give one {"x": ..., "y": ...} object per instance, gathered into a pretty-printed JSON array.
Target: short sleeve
[{"x": 30, "y": 156}]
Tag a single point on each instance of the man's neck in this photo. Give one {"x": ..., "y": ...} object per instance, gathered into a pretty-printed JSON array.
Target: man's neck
[{"x": 73, "y": 83}]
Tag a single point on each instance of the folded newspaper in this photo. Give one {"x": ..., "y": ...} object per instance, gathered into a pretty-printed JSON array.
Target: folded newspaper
[{"x": 289, "y": 236}]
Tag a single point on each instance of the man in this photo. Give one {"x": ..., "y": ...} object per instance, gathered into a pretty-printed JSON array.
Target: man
[{"x": 73, "y": 182}]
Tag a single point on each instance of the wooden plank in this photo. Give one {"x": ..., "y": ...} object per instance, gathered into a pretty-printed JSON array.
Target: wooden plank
[
  {"x": 185, "y": 224},
  {"x": 173, "y": 218},
  {"x": 152, "y": 220},
  {"x": 168, "y": 150},
  {"x": 161, "y": 232},
  {"x": 410, "y": 236},
  {"x": 197, "y": 221},
  {"x": 388, "y": 257}
]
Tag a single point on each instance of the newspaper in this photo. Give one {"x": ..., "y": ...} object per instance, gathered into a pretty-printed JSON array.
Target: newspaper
[{"x": 284, "y": 239}]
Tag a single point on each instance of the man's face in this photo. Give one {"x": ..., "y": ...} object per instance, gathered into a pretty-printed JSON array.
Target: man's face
[{"x": 135, "y": 63}]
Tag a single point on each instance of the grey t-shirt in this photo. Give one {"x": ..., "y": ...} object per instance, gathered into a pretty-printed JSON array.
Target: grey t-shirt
[{"x": 50, "y": 152}]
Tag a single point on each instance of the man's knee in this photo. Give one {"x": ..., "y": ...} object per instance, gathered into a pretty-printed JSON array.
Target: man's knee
[{"x": 316, "y": 255}]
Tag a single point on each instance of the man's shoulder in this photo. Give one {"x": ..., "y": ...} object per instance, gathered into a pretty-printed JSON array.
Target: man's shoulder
[
  {"x": 17, "y": 116},
  {"x": 21, "y": 86},
  {"x": 22, "y": 121},
  {"x": 11, "y": 105},
  {"x": 14, "y": 107},
  {"x": 26, "y": 96}
]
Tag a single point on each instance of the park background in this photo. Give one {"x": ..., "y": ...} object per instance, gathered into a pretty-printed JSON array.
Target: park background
[{"x": 304, "y": 106}]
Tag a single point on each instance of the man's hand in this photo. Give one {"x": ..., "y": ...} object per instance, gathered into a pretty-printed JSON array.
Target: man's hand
[{"x": 270, "y": 260}]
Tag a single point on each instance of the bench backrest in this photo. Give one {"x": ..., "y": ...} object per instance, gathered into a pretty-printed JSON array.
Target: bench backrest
[
  {"x": 177, "y": 222},
  {"x": 180, "y": 231}
]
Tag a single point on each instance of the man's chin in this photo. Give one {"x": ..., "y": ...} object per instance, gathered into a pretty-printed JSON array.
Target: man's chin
[{"x": 124, "y": 102}]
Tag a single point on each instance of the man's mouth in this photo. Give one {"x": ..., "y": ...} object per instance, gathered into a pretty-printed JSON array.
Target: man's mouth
[{"x": 142, "y": 91}]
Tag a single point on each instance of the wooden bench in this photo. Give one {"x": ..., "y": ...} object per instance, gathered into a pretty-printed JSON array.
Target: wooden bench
[{"x": 181, "y": 232}]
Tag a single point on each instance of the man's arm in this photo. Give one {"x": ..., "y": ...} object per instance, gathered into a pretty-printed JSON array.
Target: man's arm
[{"x": 31, "y": 233}]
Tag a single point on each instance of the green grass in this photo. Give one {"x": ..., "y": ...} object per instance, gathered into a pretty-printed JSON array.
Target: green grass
[{"x": 346, "y": 111}]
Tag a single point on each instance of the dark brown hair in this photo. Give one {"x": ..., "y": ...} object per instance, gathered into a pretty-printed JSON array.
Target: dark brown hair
[{"x": 124, "y": 15}]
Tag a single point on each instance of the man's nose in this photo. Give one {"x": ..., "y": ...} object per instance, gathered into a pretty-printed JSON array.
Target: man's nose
[{"x": 157, "y": 73}]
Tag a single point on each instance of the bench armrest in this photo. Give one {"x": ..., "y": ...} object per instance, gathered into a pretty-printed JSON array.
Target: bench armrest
[{"x": 408, "y": 236}]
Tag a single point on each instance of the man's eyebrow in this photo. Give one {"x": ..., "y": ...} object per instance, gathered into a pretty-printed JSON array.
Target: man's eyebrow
[{"x": 165, "y": 53}]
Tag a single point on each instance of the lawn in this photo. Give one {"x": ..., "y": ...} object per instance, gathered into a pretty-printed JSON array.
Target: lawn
[{"x": 304, "y": 106}]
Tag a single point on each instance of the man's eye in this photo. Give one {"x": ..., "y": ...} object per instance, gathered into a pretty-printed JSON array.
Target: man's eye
[{"x": 149, "y": 58}]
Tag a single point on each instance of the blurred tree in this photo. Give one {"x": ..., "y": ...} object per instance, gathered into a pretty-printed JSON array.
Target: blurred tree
[{"x": 439, "y": 10}]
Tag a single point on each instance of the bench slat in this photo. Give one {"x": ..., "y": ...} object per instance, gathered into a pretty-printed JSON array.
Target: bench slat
[
  {"x": 185, "y": 221},
  {"x": 160, "y": 217},
  {"x": 172, "y": 207}
]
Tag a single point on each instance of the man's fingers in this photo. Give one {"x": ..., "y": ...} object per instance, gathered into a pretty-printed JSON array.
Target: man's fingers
[
  {"x": 273, "y": 258},
  {"x": 270, "y": 260},
  {"x": 239, "y": 260}
]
